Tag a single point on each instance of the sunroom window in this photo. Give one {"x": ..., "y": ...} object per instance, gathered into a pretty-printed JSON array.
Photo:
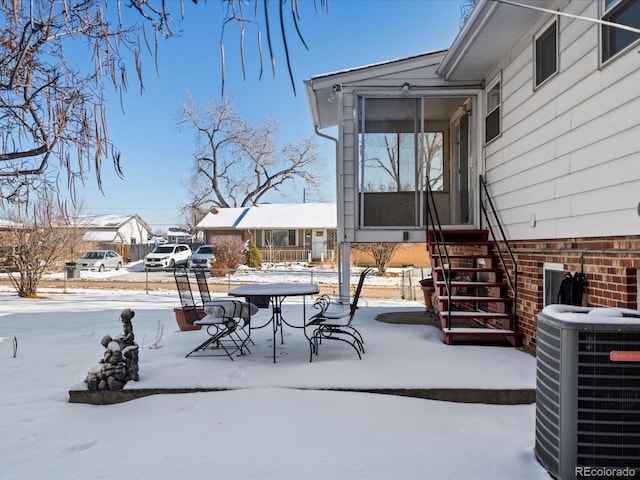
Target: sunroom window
[
  {"x": 400, "y": 151},
  {"x": 546, "y": 53},
  {"x": 615, "y": 40}
]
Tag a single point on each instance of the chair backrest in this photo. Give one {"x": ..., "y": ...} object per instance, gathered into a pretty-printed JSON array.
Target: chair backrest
[
  {"x": 183, "y": 285},
  {"x": 203, "y": 286},
  {"x": 356, "y": 296}
]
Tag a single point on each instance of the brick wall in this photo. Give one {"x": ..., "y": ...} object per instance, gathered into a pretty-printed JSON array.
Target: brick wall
[{"x": 610, "y": 265}]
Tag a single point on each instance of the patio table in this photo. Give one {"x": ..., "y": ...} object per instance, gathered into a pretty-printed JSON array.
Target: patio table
[{"x": 277, "y": 292}]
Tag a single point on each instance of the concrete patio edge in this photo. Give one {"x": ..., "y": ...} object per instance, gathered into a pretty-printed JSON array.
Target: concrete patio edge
[{"x": 517, "y": 396}]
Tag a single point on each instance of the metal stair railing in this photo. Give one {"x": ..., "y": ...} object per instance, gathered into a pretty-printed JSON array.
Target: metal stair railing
[
  {"x": 513, "y": 282},
  {"x": 433, "y": 219}
]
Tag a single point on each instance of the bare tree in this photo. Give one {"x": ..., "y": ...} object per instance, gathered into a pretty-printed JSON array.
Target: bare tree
[
  {"x": 236, "y": 163},
  {"x": 382, "y": 253},
  {"x": 41, "y": 236},
  {"x": 52, "y": 112}
]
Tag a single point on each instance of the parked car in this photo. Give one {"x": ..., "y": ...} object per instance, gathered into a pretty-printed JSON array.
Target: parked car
[
  {"x": 100, "y": 260},
  {"x": 168, "y": 255},
  {"x": 202, "y": 257}
]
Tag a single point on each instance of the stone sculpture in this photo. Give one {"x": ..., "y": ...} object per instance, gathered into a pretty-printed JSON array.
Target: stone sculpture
[{"x": 119, "y": 363}]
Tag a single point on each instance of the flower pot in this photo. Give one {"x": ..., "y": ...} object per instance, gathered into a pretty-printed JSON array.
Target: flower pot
[
  {"x": 185, "y": 319},
  {"x": 428, "y": 297}
]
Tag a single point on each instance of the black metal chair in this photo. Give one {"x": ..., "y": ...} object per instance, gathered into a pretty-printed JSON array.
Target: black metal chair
[
  {"x": 243, "y": 322},
  {"x": 189, "y": 310},
  {"x": 334, "y": 321},
  {"x": 221, "y": 321}
]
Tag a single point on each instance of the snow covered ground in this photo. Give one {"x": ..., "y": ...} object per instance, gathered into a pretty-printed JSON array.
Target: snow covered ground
[{"x": 274, "y": 423}]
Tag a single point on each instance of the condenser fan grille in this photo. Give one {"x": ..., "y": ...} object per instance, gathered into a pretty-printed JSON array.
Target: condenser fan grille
[{"x": 608, "y": 401}]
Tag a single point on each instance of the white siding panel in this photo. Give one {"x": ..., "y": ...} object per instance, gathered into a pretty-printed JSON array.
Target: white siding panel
[
  {"x": 569, "y": 151},
  {"x": 606, "y": 199},
  {"x": 621, "y": 222},
  {"x": 622, "y": 144}
]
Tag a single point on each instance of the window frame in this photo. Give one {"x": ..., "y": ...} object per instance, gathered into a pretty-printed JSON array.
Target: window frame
[
  {"x": 557, "y": 269},
  {"x": 608, "y": 13},
  {"x": 543, "y": 34},
  {"x": 495, "y": 110}
]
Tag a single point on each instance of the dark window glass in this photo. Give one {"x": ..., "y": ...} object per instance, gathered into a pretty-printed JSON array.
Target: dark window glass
[
  {"x": 614, "y": 40},
  {"x": 493, "y": 125},
  {"x": 546, "y": 54}
]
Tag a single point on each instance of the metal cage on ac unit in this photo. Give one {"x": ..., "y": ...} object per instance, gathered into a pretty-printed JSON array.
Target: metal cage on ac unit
[{"x": 588, "y": 391}]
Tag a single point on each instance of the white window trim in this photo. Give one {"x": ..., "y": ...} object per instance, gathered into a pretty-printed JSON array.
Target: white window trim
[
  {"x": 556, "y": 267},
  {"x": 543, "y": 30},
  {"x": 496, "y": 79},
  {"x": 602, "y": 11}
]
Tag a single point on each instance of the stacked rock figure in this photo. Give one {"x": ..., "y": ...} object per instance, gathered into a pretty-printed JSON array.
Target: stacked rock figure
[{"x": 119, "y": 363}]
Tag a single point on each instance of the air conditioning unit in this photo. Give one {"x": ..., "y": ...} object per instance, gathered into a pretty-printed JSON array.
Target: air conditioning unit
[{"x": 588, "y": 392}]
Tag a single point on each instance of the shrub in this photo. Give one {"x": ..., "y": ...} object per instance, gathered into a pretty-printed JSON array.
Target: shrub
[
  {"x": 254, "y": 257},
  {"x": 229, "y": 253}
]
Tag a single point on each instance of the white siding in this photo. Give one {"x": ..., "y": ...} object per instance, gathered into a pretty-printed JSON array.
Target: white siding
[{"x": 569, "y": 152}]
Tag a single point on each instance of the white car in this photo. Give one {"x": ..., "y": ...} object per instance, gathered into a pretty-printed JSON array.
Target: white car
[
  {"x": 169, "y": 255},
  {"x": 100, "y": 260},
  {"x": 202, "y": 257}
]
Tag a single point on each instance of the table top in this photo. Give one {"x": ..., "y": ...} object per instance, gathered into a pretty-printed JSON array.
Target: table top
[{"x": 275, "y": 290}]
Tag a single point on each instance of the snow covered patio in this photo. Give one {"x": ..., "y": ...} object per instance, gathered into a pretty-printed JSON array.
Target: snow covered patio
[
  {"x": 257, "y": 430},
  {"x": 404, "y": 359}
]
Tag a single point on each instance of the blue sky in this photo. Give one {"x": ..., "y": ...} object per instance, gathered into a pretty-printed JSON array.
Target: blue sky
[{"x": 157, "y": 156}]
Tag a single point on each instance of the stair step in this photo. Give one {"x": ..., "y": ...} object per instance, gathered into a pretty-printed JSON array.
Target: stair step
[
  {"x": 467, "y": 269},
  {"x": 476, "y": 315},
  {"x": 514, "y": 337},
  {"x": 478, "y": 331},
  {"x": 474, "y": 299},
  {"x": 458, "y": 235},
  {"x": 462, "y": 283},
  {"x": 469, "y": 255}
]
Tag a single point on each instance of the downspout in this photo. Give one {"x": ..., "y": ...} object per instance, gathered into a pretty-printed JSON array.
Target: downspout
[{"x": 340, "y": 212}]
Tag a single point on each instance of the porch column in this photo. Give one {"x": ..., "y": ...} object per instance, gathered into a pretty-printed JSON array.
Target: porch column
[{"x": 344, "y": 264}]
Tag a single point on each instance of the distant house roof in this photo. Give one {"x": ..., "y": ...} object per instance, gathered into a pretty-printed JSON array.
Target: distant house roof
[
  {"x": 272, "y": 215},
  {"x": 100, "y": 236},
  {"x": 106, "y": 221}
]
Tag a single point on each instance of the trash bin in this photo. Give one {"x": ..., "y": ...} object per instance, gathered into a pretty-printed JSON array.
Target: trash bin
[{"x": 73, "y": 269}]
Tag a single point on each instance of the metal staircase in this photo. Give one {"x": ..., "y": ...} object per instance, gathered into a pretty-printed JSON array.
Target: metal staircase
[{"x": 475, "y": 295}]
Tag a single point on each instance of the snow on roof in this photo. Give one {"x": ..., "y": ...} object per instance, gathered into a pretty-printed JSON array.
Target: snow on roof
[
  {"x": 109, "y": 220},
  {"x": 221, "y": 218},
  {"x": 100, "y": 236},
  {"x": 290, "y": 215},
  {"x": 273, "y": 215}
]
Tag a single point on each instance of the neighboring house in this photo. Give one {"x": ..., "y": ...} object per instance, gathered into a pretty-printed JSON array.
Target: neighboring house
[
  {"x": 543, "y": 107},
  {"x": 175, "y": 235},
  {"x": 118, "y": 229},
  {"x": 284, "y": 232}
]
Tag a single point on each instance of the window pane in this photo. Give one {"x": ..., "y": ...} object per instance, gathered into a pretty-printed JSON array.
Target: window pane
[
  {"x": 292, "y": 237},
  {"x": 493, "y": 97},
  {"x": 493, "y": 125},
  {"x": 614, "y": 40},
  {"x": 432, "y": 161},
  {"x": 546, "y": 54}
]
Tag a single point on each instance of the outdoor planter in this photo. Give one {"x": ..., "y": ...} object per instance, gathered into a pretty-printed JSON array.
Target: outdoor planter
[
  {"x": 427, "y": 290},
  {"x": 186, "y": 318}
]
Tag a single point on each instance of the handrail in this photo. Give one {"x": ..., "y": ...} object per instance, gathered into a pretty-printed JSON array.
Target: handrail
[
  {"x": 434, "y": 219},
  {"x": 512, "y": 284}
]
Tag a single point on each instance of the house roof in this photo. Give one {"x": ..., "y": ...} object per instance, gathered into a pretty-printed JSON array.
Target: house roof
[
  {"x": 322, "y": 89},
  {"x": 493, "y": 28},
  {"x": 100, "y": 236},
  {"x": 273, "y": 215},
  {"x": 109, "y": 221}
]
